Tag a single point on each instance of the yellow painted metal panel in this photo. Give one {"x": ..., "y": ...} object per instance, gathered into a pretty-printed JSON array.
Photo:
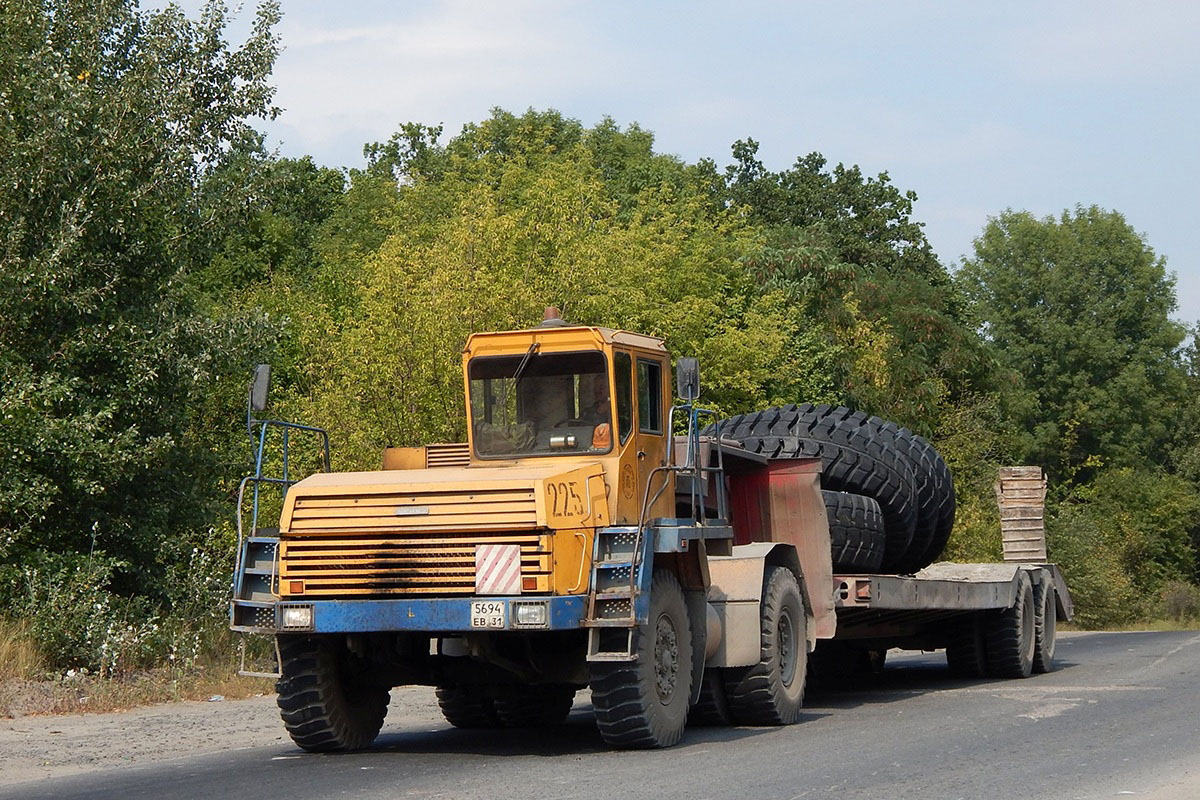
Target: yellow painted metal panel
[
  {"x": 404, "y": 458},
  {"x": 506, "y": 519},
  {"x": 389, "y": 511},
  {"x": 424, "y": 499}
]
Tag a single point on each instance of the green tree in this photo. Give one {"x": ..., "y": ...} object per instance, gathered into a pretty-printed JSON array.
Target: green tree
[
  {"x": 1121, "y": 539},
  {"x": 868, "y": 220},
  {"x": 110, "y": 120},
  {"x": 1079, "y": 307}
]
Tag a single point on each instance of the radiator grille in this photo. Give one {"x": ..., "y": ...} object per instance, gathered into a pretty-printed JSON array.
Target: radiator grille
[
  {"x": 479, "y": 510},
  {"x": 397, "y": 563}
]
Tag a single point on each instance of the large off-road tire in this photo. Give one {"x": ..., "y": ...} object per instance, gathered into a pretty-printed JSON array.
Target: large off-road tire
[
  {"x": 1010, "y": 636},
  {"x": 533, "y": 706},
  {"x": 468, "y": 706},
  {"x": 934, "y": 499},
  {"x": 858, "y": 455},
  {"x": 713, "y": 707},
  {"x": 1045, "y": 625},
  {"x": 771, "y": 692},
  {"x": 856, "y": 532},
  {"x": 326, "y": 696},
  {"x": 644, "y": 703},
  {"x": 966, "y": 650}
]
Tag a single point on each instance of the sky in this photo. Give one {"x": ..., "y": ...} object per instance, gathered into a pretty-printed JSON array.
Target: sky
[{"x": 977, "y": 107}]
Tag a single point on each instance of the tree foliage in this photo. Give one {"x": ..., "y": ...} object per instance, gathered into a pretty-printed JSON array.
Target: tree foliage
[
  {"x": 110, "y": 119},
  {"x": 151, "y": 251},
  {"x": 1080, "y": 307}
]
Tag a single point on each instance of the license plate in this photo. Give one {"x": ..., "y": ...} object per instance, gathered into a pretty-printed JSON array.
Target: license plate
[{"x": 487, "y": 613}]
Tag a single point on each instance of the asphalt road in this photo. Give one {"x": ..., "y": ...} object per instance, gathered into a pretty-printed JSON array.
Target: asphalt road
[{"x": 1120, "y": 718}]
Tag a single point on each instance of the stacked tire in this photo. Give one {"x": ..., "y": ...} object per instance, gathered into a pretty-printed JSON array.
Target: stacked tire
[{"x": 888, "y": 493}]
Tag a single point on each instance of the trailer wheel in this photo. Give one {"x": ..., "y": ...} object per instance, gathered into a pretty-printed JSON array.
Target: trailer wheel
[
  {"x": 534, "y": 706},
  {"x": 1010, "y": 635},
  {"x": 1045, "y": 625},
  {"x": 712, "y": 708},
  {"x": 644, "y": 703},
  {"x": 326, "y": 696},
  {"x": 467, "y": 706},
  {"x": 771, "y": 692},
  {"x": 966, "y": 654}
]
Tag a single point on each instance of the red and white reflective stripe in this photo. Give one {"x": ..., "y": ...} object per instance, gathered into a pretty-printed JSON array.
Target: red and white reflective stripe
[{"x": 498, "y": 569}]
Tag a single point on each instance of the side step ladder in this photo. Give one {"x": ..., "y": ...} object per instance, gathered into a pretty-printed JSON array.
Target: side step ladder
[{"x": 618, "y": 572}]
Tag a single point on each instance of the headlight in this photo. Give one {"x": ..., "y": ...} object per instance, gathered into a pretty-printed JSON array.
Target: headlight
[
  {"x": 531, "y": 615},
  {"x": 300, "y": 617}
]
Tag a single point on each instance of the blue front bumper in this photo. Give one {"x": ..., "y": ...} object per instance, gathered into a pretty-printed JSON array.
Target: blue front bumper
[{"x": 441, "y": 615}]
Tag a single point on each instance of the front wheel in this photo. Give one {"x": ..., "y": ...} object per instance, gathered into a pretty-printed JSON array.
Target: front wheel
[
  {"x": 643, "y": 703},
  {"x": 771, "y": 692},
  {"x": 327, "y": 698}
]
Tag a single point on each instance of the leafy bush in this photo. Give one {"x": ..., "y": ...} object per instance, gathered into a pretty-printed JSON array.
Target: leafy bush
[
  {"x": 1181, "y": 601},
  {"x": 1121, "y": 539}
]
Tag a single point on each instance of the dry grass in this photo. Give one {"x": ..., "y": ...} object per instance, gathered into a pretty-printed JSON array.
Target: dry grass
[
  {"x": 19, "y": 657},
  {"x": 26, "y": 689}
]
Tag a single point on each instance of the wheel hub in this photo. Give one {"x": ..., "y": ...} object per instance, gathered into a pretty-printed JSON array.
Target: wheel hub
[
  {"x": 785, "y": 639},
  {"x": 666, "y": 658}
]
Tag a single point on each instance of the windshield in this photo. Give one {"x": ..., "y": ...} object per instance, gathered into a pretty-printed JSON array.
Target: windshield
[{"x": 557, "y": 404}]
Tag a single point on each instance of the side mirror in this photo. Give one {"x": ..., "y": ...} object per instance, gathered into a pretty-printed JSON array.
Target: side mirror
[
  {"x": 687, "y": 378},
  {"x": 259, "y": 387}
]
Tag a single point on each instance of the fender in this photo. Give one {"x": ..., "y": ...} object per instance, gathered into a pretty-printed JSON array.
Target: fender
[{"x": 736, "y": 595}]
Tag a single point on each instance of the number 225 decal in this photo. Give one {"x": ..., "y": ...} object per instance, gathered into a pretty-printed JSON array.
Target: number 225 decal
[{"x": 564, "y": 499}]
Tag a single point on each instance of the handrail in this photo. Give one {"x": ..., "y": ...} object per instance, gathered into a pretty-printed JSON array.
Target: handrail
[
  {"x": 690, "y": 465},
  {"x": 258, "y": 479}
]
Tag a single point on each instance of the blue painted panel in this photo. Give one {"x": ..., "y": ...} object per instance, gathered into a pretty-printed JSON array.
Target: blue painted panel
[{"x": 428, "y": 614}]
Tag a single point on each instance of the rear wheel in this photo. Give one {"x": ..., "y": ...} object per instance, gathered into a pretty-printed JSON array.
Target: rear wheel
[
  {"x": 1045, "y": 625},
  {"x": 534, "y": 706},
  {"x": 836, "y": 665},
  {"x": 644, "y": 703},
  {"x": 771, "y": 692},
  {"x": 1010, "y": 635},
  {"x": 467, "y": 706},
  {"x": 713, "y": 706},
  {"x": 326, "y": 695}
]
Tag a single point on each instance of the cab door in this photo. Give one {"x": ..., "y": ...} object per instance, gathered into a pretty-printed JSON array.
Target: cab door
[{"x": 652, "y": 434}]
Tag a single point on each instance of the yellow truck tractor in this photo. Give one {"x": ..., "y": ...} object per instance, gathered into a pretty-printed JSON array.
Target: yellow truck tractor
[{"x": 575, "y": 541}]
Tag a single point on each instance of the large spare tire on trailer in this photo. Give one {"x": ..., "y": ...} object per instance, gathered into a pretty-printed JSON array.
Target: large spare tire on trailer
[
  {"x": 935, "y": 502},
  {"x": 858, "y": 455},
  {"x": 856, "y": 531}
]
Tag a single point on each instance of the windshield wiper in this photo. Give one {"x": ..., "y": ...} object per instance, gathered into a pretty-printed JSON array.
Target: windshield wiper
[{"x": 524, "y": 363}]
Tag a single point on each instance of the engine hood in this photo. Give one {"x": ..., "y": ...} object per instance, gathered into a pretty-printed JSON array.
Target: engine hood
[{"x": 501, "y": 498}]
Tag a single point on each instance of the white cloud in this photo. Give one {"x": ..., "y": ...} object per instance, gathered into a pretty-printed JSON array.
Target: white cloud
[{"x": 449, "y": 64}]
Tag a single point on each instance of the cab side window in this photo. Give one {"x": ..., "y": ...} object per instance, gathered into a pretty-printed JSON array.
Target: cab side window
[
  {"x": 623, "y": 376},
  {"x": 650, "y": 410}
]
